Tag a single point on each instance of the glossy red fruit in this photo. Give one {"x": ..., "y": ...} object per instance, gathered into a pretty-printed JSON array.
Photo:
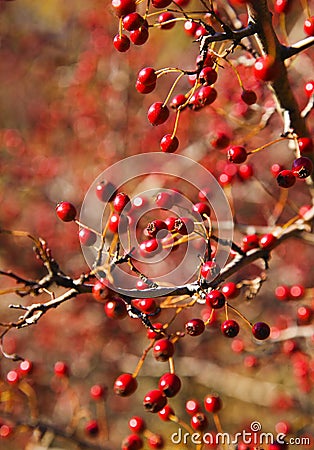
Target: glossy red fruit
[
  {"x": 249, "y": 242},
  {"x": 152, "y": 334},
  {"x": 309, "y": 88},
  {"x": 276, "y": 169},
  {"x": 158, "y": 113},
  {"x": 165, "y": 20},
  {"x": 143, "y": 89},
  {"x": 208, "y": 76},
  {"x": 184, "y": 226},
  {"x": 165, "y": 413},
  {"x": 147, "y": 76},
  {"x": 305, "y": 145},
  {"x": 249, "y": 97},
  {"x": 118, "y": 223},
  {"x": 123, "y": 7},
  {"x": 177, "y": 101},
  {"x": 230, "y": 328},
  {"x": 206, "y": 95},
  {"x": 115, "y": 308},
  {"x": 304, "y": 315},
  {"x": 212, "y": 403},
  {"x": 121, "y": 43},
  {"x": 267, "y": 240},
  {"x": 302, "y": 167},
  {"x": 157, "y": 228},
  {"x": 100, "y": 290},
  {"x": 169, "y": 384},
  {"x": 165, "y": 200},
  {"x": 282, "y": 293},
  {"x": 140, "y": 36},
  {"x": 230, "y": 290},
  {"x": 169, "y": 143},
  {"x": 281, "y": 6},
  {"x": 61, "y": 369},
  {"x": 194, "y": 327},
  {"x": 154, "y": 401},
  {"x": 163, "y": 350},
  {"x": 98, "y": 392},
  {"x": 215, "y": 299},
  {"x": 190, "y": 27},
  {"x": 105, "y": 191},
  {"x": 150, "y": 248},
  {"x": 26, "y": 367},
  {"x": 296, "y": 292},
  {"x": 132, "y": 21},
  {"x": 155, "y": 441},
  {"x": 13, "y": 377},
  {"x": 146, "y": 305},
  {"x": 221, "y": 141},
  {"x": 161, "y": 3},
  {"x": 66, "y": 211},
  {"x": 245, "y": 172},
  {"x": 237, "y": 154},
  {"x": 209, "y": 269},
  {"x": 92, "y": 428},
  {"x": 309, "y": 26},
  {"x": 132, "y": 442},
  {"x": 125, "y": 385},
  {"x": 261, "y": 330},
  {"x": 199, "y": 421},
  {"x": 122, "y": 202},
  {"x": 286, "y": 179},
  {"x": 192, "y": 406},
  {"x": 137, "y": 424},
  {"x": 201, "y": 208},
  {"x": 265, "y": 68},
  {"x": 87, "y": 237}
]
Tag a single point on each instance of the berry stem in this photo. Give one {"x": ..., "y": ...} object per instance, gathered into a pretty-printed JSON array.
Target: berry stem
[
  {"x": 173, "y": 87},
  {"x": 176, "y": 123},
  {"x": 30, "y": 393},
  {"x": 210, "y": 318},
  {"x": 142, "y": 359},
  {"x": 238, "y": 313},
  {"x": 267, "y": 145},
  {"x": 87, "y": 228},
  {"x": 171, "y": 365}
]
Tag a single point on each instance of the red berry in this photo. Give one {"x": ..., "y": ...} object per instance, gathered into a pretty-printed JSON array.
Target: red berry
[
  {"x": 155, "y": 441},
  {"x": 140, "y": 36},
  {"x": 157, "y": 228},
  {"x": 192, "y": 406},
  {"x": 282, "y": 293},
  {"x": 250, "y": 361},
  {"x": 150, "y": 248},
  {"x": 26, "y": 367},
  {"x": 61, "y": 369},
  {"x": 132, "y": 442},
  {"x": 208, "y": 76},
  {"x": 245, "y": 171},
  {"x": 286, "y": 178},
  {"x": 276, "y": 169},
  {"x": 230, "y": 328},
  {"x": 118, "y": 223},
  {"x": 309, "y": 88},
  {"x": 249, "y": 242},
  {"x": 281, "y": 6},
  {"x": 158, "y": 113},
  {"x": 92, "y": 428},
  {"x": 161, "y": 3},
  {"x": 169, "y": 384},
  {"x": 121, "y": 43},
  {"x": 309, "y": 26},
  {"x": 265, "y": 68},
  {"x": 221, "y": 141},
  {"x": 87, "y": 237},
  {"x": 115, "y": 308},
  {"x": 66, "y": 211},
  {"x": 195, "y": 327},
  {"x": 154, "y": 401},
  {"x": 249, "y": 97},
  {"x": 190, "y": 27},
  {"x": 163, "y": 350},
  {"x": 202, "y": 209},
  {"x": 105, "y": 191},
  {"x": 184, "y": 225},
  {"x": 261, "y": 330},
  {"x": 5, "y": 431},
  {"x": 169, "y": 143},
  {"x": 304, "y": 315},
  {"x": 206, "y": 95},
  {"x": 177, "y": 101},
  {"x": 165, "y": 200},
  {"x": 125, "y": 385},
  {"x": 296, "y": 292},
  {"x": 165, "y": 413},
  {"x": 146, "y": 305},
  {"x": 209, "y": 269},
  {"x": 13, "y": 377},
  {"x": 212, "y": 403},
  {"x": 302, "y": 167},
  {"x": 122, "y": 202},
  {"x": 230, "y": 290},
  {"x": 123, "y": 7},
  {"x": 199, "y": 421},
  {"x": 305, "y": 145},
  {"x": 215, "y": 299},
  {"x": 151, "y": 334},
  {"x": 165, "y": 17},
  {"x": 98, "y": 392},
  {"x": 147, "y": 76},
  {"x": 137, "y": 424},
  {"x": 132, "y": 21},
  {"x": 267, "y": 240},
  {"x": 100, "y": 290},
  {"x": 237, "y": 154}
]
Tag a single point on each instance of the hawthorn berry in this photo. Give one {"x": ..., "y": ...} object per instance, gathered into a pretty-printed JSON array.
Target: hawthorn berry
[
  {"x": 115, "y": 308},
  {"x": 118, "y": 223},
  {"x": 146, "y": 305},
  {"x": 100, "y": 290},
  {"x": 286, "y": 179},
  {"x": 249, "y": 97},
  {"x": 230, "y": 328},
  {"x": 165, "y": 200},
  {"x": 192, "y": 406},
  {"x": 139, "y": 36},
  {"x": 249, "y": 242},
  {"x": 184, "y": 225},
  {"x": 230, "y": 290},
  {"x": 121, "y": 43},
  {"x": 161, "y": 3},
  {"x": 5, "y": 430},
  {"x": 305, "y": 145},
  {"x": 165, "y": 413},
  {"x": 123, "y": 7},
  {"x": 194, "y": 327},
  {"x": 122, "y": 202},
  {"x": 208, "y": 76},
  {"x": 276, "y": 169},
  {"x": 201, "y": 208},
  {"x": 61, "y": 369},
  {"x": 66, "y": 211},
  {"x": 267, "y": 240},
  {"x": 166, "y": 20},
  {"x": 190, "y": 27},
  {"x": 147, "y": 76},
  {"x": 125, "y": 385},
  {"x": 154, "y": 401},
  {"x": 215, "y": 299},
  {"x": 25, "y": 367},
  {"x": 169, "y": 384},
  {"x": 150, "y": 248},
  {"x": 302, "y": 167},
  {"x": 237, "y": 154},
  {"x": 206, "y": 95},
  {"x": 106, "y": 191},
  {"x": 92, "y": 428},
  {"x": 261, "y": 330},
  {"x": 157, "y": 228},
  {"x": 282, "y": 293},
  {"x": 137, "y": 424},
  {"x": 163, "y": 349},
  {"x": 309, "y": 26},
  {"x": 245, "y": 172},
  {"x": 155, "y": 441},
  {"x": 212, "y": 403},
  {"x": 98, "y": 392},
  {"x": 132, "y": 21},
  {"x": 209, "y": 269},
  {"x": 304, "y": 315},
  {"x": 265, "y": 68},
  {"x": 132, "y": 442},
  {"x": 199, "y": 421},
  {"x": 296, "y": 292},
  {"x": 221, "y": 141},
  {"x": 13, "y": 377},
  {"x": 87, "y": 237},
  {"x": 309, "y": 88},
  {"x": 169, "y": 143},
  {"x": 281, "y": 6},
  {"x": 157, "y": 113}
]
